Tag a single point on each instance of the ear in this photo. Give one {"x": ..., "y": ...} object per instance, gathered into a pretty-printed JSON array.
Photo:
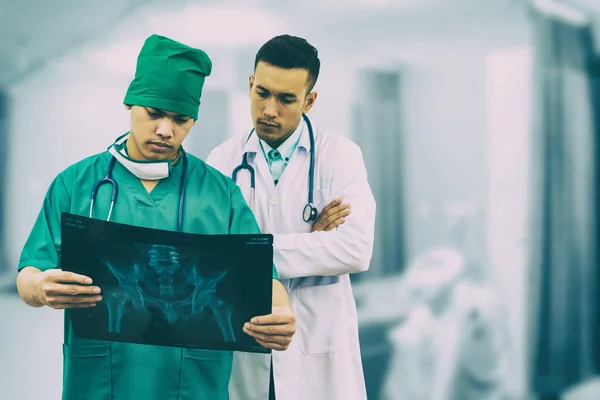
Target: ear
[
  {"x": 310, "y": 100},
  {"x": 127, "y": 106},
  {"x": 250, "y": 84}
]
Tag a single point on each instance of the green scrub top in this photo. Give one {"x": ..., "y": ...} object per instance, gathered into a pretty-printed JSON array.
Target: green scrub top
[{"x": 95, "y": 370}]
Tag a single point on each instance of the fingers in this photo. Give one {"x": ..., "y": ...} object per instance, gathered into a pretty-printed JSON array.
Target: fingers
[
  {"x": 71, "y": 305},
  {"x": 334, "y": 203},
  {"x": 258, "y": 335},
  {"x": 337, "y": 213},
  {"x": 65, "y": 301},
  {"x": 270, "y": 330},
  {"x": 332, "y": 215},
  {"x": 69, "y": 277},
  {"x": 273, "y": 346},
  {"x": 272, "y": 342},
  {"x": 74, "y": 299},
  {"x": 338, "y": 218},
  {"x": 280, "y": 316},
  {"x": 334, "y": 208},
  {"x": 275, "y": 330},
  {"x": 58, "y": 289},
  {"x": 335, "y": 224}
]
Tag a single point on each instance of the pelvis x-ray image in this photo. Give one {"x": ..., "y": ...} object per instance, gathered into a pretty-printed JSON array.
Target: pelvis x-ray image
[
  {"x": 169, "y": 285},
  {"x": 169, "y": 288}
]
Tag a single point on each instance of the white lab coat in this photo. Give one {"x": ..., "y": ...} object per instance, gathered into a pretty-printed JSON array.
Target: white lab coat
[{"x": 323, "y": 360}]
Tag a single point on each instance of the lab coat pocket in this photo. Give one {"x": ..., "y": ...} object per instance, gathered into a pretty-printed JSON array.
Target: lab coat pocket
[
  {"x": 319, "y": 317},
  {"x": 87, "y": 372},
  {"x": 205, "y": 374}
]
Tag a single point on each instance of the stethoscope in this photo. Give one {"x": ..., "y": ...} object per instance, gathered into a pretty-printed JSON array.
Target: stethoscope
[
  {"x": 115, "y": 189},
  {"x": 309, "y": 213}
]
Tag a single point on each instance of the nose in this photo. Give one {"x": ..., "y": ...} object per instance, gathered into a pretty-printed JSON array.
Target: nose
[
  {"x": 165, "y": 128},
  {"x": 270, "y": 110}
]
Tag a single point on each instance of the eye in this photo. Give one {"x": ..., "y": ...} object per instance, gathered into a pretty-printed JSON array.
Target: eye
[
  {"x": 153, "y": 115},
  {"x": 181, "y": 121},
  {"x": 263, "y": 94},
  {"x": 288, "y": 101}
]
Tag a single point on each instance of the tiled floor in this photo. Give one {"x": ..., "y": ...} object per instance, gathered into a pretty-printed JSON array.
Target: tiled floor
[{"x": 30, "y": 351}]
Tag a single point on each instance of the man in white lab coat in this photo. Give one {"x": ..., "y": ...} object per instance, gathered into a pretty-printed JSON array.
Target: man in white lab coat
[{"x": 313, "y": 255}]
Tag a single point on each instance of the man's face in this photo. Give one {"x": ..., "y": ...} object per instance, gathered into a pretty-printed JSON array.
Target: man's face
[
  {"x": 156, "y": 134},
  {"x": 278, "y": 99}
]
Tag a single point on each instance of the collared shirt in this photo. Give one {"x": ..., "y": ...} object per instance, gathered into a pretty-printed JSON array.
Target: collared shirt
[{"x": 279, "y": 158}]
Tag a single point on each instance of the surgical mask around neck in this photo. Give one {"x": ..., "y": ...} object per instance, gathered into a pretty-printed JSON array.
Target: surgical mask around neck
[{"x": 146, "y": 170}]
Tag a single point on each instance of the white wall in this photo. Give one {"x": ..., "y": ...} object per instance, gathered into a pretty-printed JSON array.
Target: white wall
[
  {"x": 58, "y": 116},
  {"x": 509, "y": 185},
  {"x": 442, "y": 57}
]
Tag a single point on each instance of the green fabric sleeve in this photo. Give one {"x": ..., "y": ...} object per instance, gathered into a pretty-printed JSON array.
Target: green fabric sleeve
[
  {"x": 42, "y": 247},
  {"x": 242, "y": 219}
]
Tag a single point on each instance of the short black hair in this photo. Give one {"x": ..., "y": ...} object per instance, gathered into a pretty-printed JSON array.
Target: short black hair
[{"x": 286, "y": 51}]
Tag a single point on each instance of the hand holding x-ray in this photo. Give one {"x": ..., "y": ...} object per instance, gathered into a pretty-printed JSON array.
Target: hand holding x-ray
[
  {"x": 60, "y": 289},
  {"x": 273, "y": 331}
]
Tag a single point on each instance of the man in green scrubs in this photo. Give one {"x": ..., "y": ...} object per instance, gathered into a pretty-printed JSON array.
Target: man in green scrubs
[{"x": 163, "y": 99}]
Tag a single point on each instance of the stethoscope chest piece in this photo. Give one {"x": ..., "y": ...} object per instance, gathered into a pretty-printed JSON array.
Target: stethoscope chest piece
[{"x": 310, "y": 213}]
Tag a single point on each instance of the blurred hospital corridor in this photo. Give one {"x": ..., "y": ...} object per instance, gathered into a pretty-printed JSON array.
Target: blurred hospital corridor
[{"x": 479, "y": 124}]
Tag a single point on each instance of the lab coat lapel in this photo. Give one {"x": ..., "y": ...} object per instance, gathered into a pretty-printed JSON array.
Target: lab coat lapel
[{"x": 257, "y": 159}]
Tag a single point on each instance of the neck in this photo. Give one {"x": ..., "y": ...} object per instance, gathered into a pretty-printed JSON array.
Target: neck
[
  {"x": 274, "y": 145},
  {"x": 177, "y": 157},
  {"x": 133, "y": 151}
]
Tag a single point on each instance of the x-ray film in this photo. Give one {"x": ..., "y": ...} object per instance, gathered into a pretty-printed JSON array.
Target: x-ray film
[{"x": 169, "y": 288}]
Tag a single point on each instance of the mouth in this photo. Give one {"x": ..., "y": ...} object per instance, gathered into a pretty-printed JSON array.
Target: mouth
[
  {"x": 158, "y": 146},
  {"x": 268, "y": 124}
]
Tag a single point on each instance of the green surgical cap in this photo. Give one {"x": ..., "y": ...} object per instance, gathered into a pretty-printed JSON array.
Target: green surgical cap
[{"x": 169, "y": 76}]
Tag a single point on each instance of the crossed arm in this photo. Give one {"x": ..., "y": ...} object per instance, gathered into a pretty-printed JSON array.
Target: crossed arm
[{"x": 340, "y": 242}]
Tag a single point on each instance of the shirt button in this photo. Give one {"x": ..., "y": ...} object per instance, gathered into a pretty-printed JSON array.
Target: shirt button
[{"x": 274, "y": 201}]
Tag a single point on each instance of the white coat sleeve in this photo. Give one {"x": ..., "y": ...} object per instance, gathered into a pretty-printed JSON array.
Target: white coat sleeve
[{"x": 347, "y": 249}]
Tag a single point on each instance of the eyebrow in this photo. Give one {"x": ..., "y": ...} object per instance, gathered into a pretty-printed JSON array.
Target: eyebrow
[
  {"x": 290, "y": 95},
  {"x": 160, "y": 112}
]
